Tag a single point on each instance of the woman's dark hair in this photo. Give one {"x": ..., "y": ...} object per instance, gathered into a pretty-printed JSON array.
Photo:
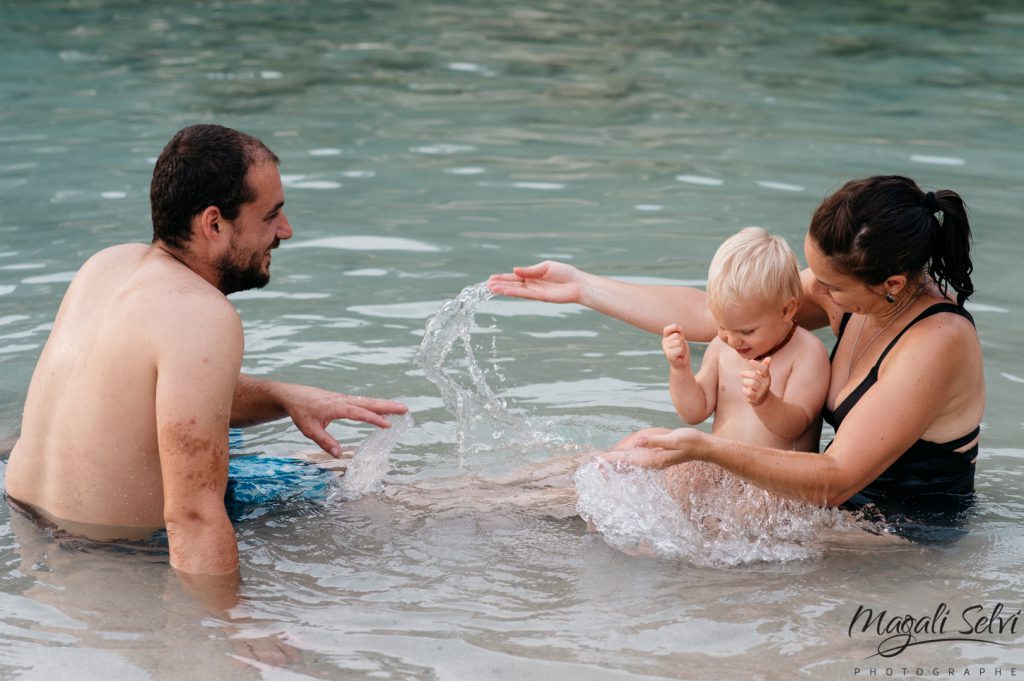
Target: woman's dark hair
[
  {"x": 885, "y": 225},
  {"x": 202, "y": 166}
]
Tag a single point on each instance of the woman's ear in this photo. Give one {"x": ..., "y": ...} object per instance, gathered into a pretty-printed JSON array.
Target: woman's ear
[{"x": 895, "y": 285}]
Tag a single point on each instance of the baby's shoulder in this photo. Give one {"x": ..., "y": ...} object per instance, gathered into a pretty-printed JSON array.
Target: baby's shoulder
[{"x": 809, "y": 347}]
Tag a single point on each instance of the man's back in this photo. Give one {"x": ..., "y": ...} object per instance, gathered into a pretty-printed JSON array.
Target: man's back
[{"x": 87, "y": 455}]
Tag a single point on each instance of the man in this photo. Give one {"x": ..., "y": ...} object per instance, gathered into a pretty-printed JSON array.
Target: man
[{"x": 125, "y": 428}]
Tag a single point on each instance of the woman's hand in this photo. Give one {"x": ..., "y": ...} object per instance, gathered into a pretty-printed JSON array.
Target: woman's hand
[
  {"x": 549, "y": 281},
  {"x": 661, "y": 451}
]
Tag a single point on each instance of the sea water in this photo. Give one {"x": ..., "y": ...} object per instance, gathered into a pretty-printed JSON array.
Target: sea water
[{"x": 425, "y": 146}]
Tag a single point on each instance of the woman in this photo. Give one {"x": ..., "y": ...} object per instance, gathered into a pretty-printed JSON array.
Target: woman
[{"x": 907, "y": 388}]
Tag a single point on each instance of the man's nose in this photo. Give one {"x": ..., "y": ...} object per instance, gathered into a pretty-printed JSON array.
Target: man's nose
[{"x": 284, "y": 230}]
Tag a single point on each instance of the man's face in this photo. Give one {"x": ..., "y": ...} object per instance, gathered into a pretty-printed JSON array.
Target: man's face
[{"x": 259, "y": 228}]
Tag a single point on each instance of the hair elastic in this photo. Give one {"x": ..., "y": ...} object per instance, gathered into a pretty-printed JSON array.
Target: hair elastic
[{"x": 932, "y": 203}]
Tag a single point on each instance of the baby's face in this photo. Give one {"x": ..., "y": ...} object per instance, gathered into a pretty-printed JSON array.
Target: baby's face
[{"x": 752, "y": 328}]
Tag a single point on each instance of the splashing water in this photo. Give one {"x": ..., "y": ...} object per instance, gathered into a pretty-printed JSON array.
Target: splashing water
[
  {"x": 697, "y": 512},
  {"x": 483, "y": 422},
  {"x": 365, "y": 473},
  {"x": 701, "y": 513}
]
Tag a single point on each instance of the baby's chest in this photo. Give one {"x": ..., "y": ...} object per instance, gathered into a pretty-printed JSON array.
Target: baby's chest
[{"x": 732, "y": 371}]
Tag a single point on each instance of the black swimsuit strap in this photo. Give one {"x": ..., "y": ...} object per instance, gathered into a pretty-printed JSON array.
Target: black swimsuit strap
[
  {"x": 836, "y": 416},
  {"x": 927, "y": 312},
  {"x": 961, "y": 441},
  {"x": 839, "y": 334}
]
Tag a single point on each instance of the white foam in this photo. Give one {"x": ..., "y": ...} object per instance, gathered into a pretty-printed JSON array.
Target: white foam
[
  {"x": 258, "y": 294},
  {"x": 561, "y": 334},
  {"x": 937, "y": 160},
  {"x": 981, "y": 307},
  {"x": 325, "y": 152},
  {"x": 4, "y": 290},
  {"x": 443, "y": 149},
  {"x": 366, "y": 243},
  {"x": 648, "y": 207},
  {"x": 316, "y": 184},
  {"x": 1011, "y": 377},
  {"x": 10, "y": 349},
  {"x": 56, "y": 278},
  {"x": 24, "y": 266},
  {"x": 468, "y": 170},
  {"x": 701, "y": 514},
  {"x": 470, "y": 67},
  {"x": 544, "y": 186},
  {"x": 780, "y": 186},
  {"x": 367, "y": 272},
  {"x": 700, "y": 180},
  {"x": 114, "y": 195}
]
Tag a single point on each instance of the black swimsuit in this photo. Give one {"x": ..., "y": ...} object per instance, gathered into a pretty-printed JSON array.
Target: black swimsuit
[{"x": 928, "y": 478}]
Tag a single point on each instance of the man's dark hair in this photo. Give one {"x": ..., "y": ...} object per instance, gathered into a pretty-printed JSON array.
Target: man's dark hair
[{"x": 202, "y": 166}]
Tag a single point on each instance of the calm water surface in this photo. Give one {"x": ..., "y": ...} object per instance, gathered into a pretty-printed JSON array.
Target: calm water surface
[{"x": 424, "y": 146}]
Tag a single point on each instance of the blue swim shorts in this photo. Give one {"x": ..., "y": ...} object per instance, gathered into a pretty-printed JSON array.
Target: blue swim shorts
[{"x": 260, "y": 484}]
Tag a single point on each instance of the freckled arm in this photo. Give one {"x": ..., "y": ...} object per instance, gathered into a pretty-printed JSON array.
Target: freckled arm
[{"x": 196, "y": 375}]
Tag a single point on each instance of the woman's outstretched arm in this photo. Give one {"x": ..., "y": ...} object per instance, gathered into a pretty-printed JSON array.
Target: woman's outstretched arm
[{"x": 650, "y": 308}]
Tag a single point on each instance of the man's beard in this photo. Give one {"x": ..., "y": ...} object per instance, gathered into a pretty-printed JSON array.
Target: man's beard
[{"x": 242, "y": 276}]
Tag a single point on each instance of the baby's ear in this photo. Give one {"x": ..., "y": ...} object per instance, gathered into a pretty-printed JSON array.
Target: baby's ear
[{"x": 789, "y": 309}]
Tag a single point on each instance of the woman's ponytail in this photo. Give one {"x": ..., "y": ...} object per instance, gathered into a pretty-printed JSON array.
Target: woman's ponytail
[{"x": 951, "y": 251}]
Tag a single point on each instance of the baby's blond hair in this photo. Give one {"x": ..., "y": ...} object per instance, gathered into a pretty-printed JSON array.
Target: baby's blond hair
[{"x": 753, "y": 266}]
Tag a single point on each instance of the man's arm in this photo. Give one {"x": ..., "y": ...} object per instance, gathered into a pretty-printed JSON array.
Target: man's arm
[
  {"x": 196, "y": 375},
  {"x": 311, "y": 409}
]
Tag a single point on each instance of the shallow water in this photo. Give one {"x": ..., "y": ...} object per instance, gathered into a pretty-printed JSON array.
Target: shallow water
[{"x": 425, "y": 146}]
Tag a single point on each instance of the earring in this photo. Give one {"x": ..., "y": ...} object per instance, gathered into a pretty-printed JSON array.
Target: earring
[{"x": 889, "y": 298}]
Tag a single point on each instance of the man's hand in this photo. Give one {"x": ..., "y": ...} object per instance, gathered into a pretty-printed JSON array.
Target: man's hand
[{"x": 313, "y": 409}]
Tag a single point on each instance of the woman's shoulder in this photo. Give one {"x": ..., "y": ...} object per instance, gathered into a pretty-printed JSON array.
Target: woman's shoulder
[
  {"x": 937, "y": 337},
  {"x": 941, "y": 322}
]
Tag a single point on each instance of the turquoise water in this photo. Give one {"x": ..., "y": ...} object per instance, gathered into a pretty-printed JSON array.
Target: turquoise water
[{"x": 424, "y": 146}]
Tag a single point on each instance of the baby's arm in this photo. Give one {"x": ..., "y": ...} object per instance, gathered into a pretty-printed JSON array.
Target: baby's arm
[
  {"x": 691, "y": 397},
  {"x": 790, "y": 415}
]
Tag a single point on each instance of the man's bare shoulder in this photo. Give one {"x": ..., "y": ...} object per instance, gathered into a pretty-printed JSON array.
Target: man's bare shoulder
[{"x": 148, "y": 283}]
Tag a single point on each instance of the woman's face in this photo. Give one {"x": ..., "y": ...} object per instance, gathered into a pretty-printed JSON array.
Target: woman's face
[{"x": 848, "y": 293}]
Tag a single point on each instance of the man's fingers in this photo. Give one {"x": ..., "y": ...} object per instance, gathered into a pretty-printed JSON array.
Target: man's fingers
[
  {"x": 366, "y": 416},
  {"x": 324, "y": 440},
  {"x": 378, "y": 405}
]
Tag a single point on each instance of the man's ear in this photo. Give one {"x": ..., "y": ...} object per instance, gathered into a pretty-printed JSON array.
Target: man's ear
[{"x": 211, "y": 223}]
